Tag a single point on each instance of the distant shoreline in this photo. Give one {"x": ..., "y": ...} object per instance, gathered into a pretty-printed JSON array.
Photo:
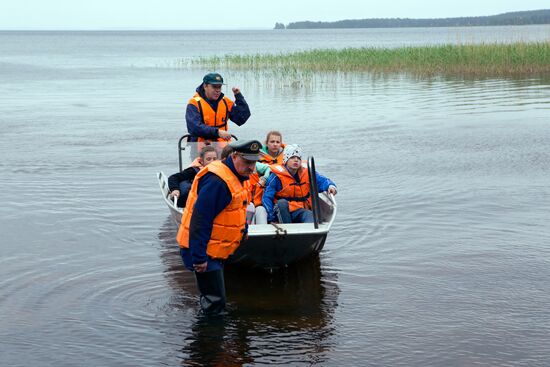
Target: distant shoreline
[
  {"x": 493, "y": 59},
  {"x": 512, "y": 18}
]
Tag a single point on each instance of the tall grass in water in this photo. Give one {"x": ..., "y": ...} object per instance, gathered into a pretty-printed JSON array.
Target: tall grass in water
[{"x": 466, "y": 59}]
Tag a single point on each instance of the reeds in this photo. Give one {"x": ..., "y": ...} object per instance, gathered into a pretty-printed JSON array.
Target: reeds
[{"x": 465, "y": 59}]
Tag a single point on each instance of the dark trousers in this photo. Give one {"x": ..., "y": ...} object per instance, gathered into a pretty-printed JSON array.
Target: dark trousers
[
  {"x": 212, "y": 288},
  {"x": 298, "y": 216},
  {"x": 185, "y": 187}
]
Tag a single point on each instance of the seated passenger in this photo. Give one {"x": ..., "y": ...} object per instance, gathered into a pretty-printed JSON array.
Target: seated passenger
[
  {"x": 272, "y": 151},
  {"x": 228, "y": 149},
  {"x": 255, "y": 186},
  {"x": 180, "y": 183},
  {"x": 287, "y": 193}
]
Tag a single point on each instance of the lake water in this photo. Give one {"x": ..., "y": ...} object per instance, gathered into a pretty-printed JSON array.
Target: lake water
[{"x": 439, "y": 255}]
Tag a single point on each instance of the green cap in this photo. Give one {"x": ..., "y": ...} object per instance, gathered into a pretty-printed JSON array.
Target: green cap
[{"x": 213, "y": 78}]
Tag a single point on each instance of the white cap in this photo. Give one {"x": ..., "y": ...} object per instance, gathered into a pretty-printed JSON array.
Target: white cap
[{"x": 292, "y": 150}]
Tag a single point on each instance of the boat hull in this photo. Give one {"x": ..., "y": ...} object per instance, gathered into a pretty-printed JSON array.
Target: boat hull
[
  {"x": 270, "y": 246},
  {"x": 273, "y": 252}
]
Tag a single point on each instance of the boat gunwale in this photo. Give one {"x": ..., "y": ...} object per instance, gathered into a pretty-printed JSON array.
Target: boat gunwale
[{"x": 260, "y": 230}]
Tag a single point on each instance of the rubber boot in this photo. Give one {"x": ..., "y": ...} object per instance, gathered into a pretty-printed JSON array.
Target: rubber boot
[{"x": 212, "y": 289}]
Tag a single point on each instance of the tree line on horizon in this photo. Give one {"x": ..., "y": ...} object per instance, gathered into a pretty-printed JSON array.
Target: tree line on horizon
[{"x": 511, "y": 18}]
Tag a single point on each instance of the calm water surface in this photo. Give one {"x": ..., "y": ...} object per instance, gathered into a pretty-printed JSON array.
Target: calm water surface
[{"x": 439, "y": 255}]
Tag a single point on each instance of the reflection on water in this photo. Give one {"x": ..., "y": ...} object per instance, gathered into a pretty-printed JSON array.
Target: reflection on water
[
  {"x": 284, "y": 317},
  {"x": 438, "y": 255}
]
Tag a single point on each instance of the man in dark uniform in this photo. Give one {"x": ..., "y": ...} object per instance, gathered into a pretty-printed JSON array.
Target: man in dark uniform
[
  {"x": 208, "y": 111},
  {"x": 214, "y": 221}
]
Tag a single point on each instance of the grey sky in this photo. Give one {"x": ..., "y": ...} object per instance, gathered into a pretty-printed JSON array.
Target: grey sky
[{"x": 182, "y": 14}]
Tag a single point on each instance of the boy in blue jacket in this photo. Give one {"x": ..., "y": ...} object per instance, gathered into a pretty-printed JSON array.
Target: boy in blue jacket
[{"x": 286, "y": 196}]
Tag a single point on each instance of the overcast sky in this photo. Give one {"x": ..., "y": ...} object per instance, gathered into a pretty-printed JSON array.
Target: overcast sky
[{"x": 243, "y": 14}]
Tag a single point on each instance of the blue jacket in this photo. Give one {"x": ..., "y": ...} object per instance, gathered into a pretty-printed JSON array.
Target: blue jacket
[
  {"x": 239, "y": 114},
  {"x": 274, "y": 185},
  {"x": 213, "y": 197}
]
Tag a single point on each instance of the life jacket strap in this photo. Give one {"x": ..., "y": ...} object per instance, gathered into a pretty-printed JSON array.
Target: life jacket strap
[
  {"x": 202, "y": 113},
  {"x": 294, "y": 198}
]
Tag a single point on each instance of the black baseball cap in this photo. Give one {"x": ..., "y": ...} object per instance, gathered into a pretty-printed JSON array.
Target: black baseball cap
[{"x": 249, "y": 149}]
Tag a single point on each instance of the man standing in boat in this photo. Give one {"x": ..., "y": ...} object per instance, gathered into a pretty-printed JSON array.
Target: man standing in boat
[
  {"x": 209, "y": 110},
  {"x": 214, "y": 221}
]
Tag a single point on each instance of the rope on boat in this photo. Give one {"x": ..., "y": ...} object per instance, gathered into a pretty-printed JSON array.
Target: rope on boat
[{"x": 280, "y": 233}]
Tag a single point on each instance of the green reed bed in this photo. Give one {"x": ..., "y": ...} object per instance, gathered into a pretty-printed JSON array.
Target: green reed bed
[{"x": 469, "y": 59}]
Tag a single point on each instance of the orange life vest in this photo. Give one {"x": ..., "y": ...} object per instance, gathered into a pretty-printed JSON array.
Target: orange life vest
[
  {"x": 229, "y": 224},
  {"x": 196, "y": 163},
  {"x": 268, "y": 159},
  {"x": 248, "y": 187},
  {"x": 256, "y": 190},
  {"x": 296, "y": 192},
  {"x": 210, "y": 117}
]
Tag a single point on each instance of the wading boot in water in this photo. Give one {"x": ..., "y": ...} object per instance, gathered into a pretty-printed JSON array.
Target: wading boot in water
[{"x": 212, "y": 288}]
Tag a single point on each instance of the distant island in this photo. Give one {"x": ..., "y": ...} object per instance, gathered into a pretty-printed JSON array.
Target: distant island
[{"x": 512, "y": 18}]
